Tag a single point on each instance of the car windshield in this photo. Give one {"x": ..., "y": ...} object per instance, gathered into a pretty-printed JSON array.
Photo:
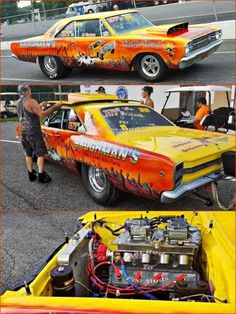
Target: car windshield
[
  {"x": 125, "y": 118},
  {"x": 128, "y": 22}
]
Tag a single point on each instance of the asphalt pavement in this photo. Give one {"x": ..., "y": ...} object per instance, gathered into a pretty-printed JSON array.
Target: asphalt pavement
[
  {"x": 28, "y": 239},
  {"x": 216, "y": 69}
]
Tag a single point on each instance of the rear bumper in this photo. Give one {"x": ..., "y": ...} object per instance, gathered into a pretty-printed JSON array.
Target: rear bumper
[
  {"x": 199, "y": 54},
  {"x": 180, "y": 191}
]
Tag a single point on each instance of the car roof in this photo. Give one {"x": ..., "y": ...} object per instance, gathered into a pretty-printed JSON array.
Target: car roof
[
  {"x": 77, "y": 99},
  {"x": 206, "y": 88},
  {"x": 54, "y": 29}
]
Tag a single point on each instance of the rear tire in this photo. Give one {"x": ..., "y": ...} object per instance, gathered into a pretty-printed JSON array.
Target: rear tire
[
  {"x": 53, "y": 67},
  {"x": 99, "y": 186},
  {"x": 151, "y": 67}
]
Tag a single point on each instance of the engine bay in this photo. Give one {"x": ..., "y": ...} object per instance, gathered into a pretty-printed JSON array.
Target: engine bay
[{"x": 155, "y": 258}]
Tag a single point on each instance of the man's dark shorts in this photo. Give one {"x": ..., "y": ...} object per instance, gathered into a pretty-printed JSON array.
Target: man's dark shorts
[{"x": 34, "y": 144}]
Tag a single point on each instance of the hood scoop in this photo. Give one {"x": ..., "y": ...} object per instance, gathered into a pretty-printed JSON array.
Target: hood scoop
[{"x": 178, "y": 28}]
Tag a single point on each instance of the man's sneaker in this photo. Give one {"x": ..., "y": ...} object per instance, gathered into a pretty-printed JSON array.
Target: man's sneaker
[
  {"x": 44, "y": 177},
  {"x": 32, "y": 175}
]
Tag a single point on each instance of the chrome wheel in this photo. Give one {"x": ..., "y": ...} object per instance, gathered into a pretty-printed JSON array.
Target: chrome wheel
[
  {"x": 50, "y": 64},
  {"x": 97, "y": 179},
  {"x": 150, "y": 65}
]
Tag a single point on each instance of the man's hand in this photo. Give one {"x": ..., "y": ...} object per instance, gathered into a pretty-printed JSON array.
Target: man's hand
[
  {"x": 42, "y": 105},
  {"x": 58, "y": 105}
]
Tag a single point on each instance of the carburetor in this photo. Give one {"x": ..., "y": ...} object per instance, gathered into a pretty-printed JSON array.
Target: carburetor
[
  {"x": 161, "y": 249},
  {"x": 167, "y": 241}
]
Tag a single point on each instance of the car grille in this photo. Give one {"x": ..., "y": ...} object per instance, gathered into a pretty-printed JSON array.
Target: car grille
[{"x": 203, "y": 41}]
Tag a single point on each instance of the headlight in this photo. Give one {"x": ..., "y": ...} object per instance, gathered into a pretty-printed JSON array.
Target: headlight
[
  {"x": 218, "y": 35},
  {"x": 188, "y": 48}
]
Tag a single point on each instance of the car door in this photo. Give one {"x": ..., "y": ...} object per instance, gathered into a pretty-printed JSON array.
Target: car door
[
  {"x": 57, "y": 131},
  {"x": 87, "y": 43}
]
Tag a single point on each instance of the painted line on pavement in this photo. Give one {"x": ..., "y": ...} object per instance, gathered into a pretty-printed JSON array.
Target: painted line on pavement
[
  {"x": 10, "y": 141},
  {"x": 191, "y": 16}
]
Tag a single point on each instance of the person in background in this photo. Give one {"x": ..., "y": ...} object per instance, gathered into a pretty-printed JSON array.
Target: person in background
[
  {"x": 146, "y": 96},
  {"x": 201, "y": 113},
  {"x": 101, "y": 90},
  {"x": 30, "y": 112},
  {"x": 116, "y": 7}
]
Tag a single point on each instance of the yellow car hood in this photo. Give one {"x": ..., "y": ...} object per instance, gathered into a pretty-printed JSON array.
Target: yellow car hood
[{"x": 179, "y": 144}]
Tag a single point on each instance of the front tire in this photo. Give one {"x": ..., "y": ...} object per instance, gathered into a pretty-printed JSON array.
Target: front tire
[
  {"x": 151, "y": 67},
  {"x": 53, "y": 67},
  {"x": 99, "y": 186}
]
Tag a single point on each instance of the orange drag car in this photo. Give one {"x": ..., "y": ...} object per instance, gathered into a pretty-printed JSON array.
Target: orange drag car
[
  {"x": 124, "y": 146},
  {"x": 127, "y": 41}
]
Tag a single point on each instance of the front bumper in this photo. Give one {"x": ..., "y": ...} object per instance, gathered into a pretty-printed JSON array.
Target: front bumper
[
  {"x": 15, "y": 56},
  {"x": 170, "y": 196},
  {"x": 199, "y": 54}
]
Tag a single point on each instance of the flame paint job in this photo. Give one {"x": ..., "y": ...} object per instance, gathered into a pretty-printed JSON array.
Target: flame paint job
[
  {"x": 139, "y": 161},
  {"x": 116, "y": 52}
]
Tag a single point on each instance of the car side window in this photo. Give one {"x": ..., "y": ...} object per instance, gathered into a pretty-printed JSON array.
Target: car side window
[
  {"x": 55, "y": 121},
  {"x": 68, "y": 31},
  {"x": 71, "y": 121},
  {"x": 88, "y": 28}
]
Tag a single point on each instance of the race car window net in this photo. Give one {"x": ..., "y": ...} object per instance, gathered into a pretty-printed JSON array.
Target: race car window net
[
  {"x": 127, "y": 118},
  {"x": 128, "y": 22}
]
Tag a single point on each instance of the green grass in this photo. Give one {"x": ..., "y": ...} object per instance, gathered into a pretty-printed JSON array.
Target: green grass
[{"x": 11, "y": 119}]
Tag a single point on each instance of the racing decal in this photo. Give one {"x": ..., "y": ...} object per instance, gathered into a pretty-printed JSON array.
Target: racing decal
[
  {"x": 89, "y": 124},
  {"x": 170, "y": 51},
  {"x": 141, "y": 44},
  {"x": 43, "y": 44},
  {"x": 107, "y": 149},
  {"x": 197, "y": 143}
]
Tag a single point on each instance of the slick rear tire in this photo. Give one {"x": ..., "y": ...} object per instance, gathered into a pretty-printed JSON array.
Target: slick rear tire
[
  {"x": 99, "y": 186},
  {"x": 53, "y": 67},
  {"x": 151, "y": 67}
]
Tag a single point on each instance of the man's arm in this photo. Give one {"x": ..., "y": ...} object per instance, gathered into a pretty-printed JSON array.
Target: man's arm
[{"x": 33, "y": 107}]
